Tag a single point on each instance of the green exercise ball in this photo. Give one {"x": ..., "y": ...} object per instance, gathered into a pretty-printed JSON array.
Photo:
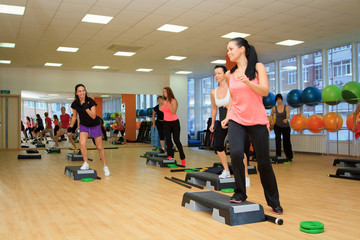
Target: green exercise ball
[
  {"x": 332, "y": 95},
  {"x": 351, "y": 92}
]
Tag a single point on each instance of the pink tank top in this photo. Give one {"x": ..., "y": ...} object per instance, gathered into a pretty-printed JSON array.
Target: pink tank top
[
  {"x": 247, "y": 107},
  {"x": 168, "y": 115}
]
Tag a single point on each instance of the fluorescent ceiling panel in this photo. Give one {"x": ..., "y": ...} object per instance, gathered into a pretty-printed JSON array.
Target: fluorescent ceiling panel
[
  {"x": 53, "y": 64},
  {"x": 144, "y": 70},
  {"x": 235, "y": 35},
  {"x": 183, "y": 72},
  {"x": 176, "y": 58},
  {"x": 100, "y": 67},
  {"x": 67, "y": 49},
  {"x": 5, "y": 61},
  {"x": 92, "y": 18},
  {"x": 7, "y": 45},
  {"x": 219, "y": 61},
  {"x": 125, "y": 54},
  {"x": 172, "y": 28},
  {"x": 289, "y": 43},
  {"x": 11, "y": 9}
]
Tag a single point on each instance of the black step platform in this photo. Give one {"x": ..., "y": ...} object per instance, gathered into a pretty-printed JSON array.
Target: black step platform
[
  {"x": 348, "y": 173},
  {"x": 75, "y": 157},
  {"x": 276, "y": 159},
  {"x": 52, "y": 150},
  {"x": 39, "y": 145},
  {"x": 32, "y": 151},
  {"x": 251, "y": 169},
  {"x": 75, "y": 173},
  {"x": 222, "y": 210},
  {"x": 210, "y": 180},
  {"x": 346, "y": 162},
  {"x": 32, "y": 156},
  {"x": 24, "y": 146},
  {"x": 154, "y": 154},
  {"x": 159, "y": 161}
]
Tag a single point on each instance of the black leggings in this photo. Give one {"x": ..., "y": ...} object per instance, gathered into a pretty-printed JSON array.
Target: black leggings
[
  {"x": 260, "y": 138},
  {"x": 160, "y": 127},
  {"x": 220, "y": 135},
  {"x": 285, "y": 131},
  {"x": 173, "y": 127}
]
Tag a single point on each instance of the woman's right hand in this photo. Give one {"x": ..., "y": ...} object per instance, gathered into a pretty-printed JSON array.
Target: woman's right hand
[
  {"x": 224, "y": 123},
  {"x": 211, "y": 128},
  {"x": 153, "y": 125}
]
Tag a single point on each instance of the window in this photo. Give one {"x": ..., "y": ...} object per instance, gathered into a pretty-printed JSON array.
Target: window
[
  {"x": 288, "y": 75},
  {"x": 191, "y": 92},
  {"x": 270, "y": 69},
  {"x": 312, "y": 70},
  {"x": 305, "y": 74},
  {"x": 292, "y": 77}
]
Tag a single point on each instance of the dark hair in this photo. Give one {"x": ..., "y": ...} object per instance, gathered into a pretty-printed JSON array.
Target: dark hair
[
  {"x": 55, "y": 117},
  {"x": 251, "y": 56},
  {"x": 28, "y": 118},
  {"x": 170, "y": 94},
  {"x": 159, "y": 97},
  {"x": 77, "y": 97},
  {"x": 38, "y": 115},
  {"x": 278, "y": 96},
  {"x": 221, "y": 66}
]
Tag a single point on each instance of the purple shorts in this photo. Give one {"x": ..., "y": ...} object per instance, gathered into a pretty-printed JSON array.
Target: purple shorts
[{"x": 94, "y": 132}]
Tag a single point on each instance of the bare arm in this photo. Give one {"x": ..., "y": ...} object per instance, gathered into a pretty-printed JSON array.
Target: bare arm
[
  {"x": 354, "y": 117},
  {"x": 73, "y": 118},
  {"x": 172, "y": 106},
  {"x": 213, "y": 110}
]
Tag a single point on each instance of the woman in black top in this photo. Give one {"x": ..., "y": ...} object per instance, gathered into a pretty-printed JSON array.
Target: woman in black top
[
  {"x": 39, "y": 127},
  {"x": 282, "y": 127},
  {"x": 159, "y": 123},
  {"x": 90, "y": 125}
]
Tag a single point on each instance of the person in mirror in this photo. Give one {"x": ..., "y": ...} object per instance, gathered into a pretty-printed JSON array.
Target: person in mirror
[{"x": 159, "y": 122}]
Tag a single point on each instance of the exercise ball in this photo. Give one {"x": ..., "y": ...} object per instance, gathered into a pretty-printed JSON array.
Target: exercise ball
[
  {"x": 112, "y": 116},
  {"x": 349, "y": 121},
  {"x": 332, "y": 121},
  {"x": 269, "y": 101},
  {"x": 149, "y": 112},
  {"x": 332, "y": 95},
  {"x": 142, "y": 113},
  {"x": 311, "y": 96},
  {"x": 315, "y": 123},
  {"x": 294, "y": 98},
  {"x": 351, "y": 92},
  {"x": 298, "y": 122}
]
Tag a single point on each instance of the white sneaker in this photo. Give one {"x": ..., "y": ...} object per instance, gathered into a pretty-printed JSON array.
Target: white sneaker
[
  {"x": 247, "y": 182},
  {"x": 106, "y": 171},
  {"x": 224, "y": 174},
  {"x": 85, "y": 166}
]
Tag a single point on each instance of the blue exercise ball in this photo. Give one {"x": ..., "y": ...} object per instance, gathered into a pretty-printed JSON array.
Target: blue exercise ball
[
  {"x": 142, "y": 113},
  {"x": 137, "y": 112},
  {"x": 269, "y": 101},
  {"x": 311, "y": 96},
  {"x": 149, "y": 112},
  {"x": 294, "y": 98}
]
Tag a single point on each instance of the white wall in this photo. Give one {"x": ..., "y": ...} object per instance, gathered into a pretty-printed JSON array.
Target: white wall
[
  {"x": 178, "y": 83},
  {"x": 30, "y": 79}
]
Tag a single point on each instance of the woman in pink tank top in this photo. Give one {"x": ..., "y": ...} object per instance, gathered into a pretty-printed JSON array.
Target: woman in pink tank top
[
  {"x": 171, "y": 124},
  {"x": 248, "y": 83}
]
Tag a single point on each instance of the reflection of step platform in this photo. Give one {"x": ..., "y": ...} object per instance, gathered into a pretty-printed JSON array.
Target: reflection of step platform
[
  {"x": 52, "y": 150},
  {"x": 347, "y": 162},
  {"x": 222, "y": 210},
  {"x": 276, "y": 159},
  {"x": 39, "y": 145},
  {"x": 251, "y": 169},
  {"x": 210, "y": 180},
  {"x": 31, "y": 156},
  {"x": 348, "y": 173},
  {"x": 160, "y": 161},
  {"x": 76, "y": 174},
  {"x": 75, "y": 157},
  {"x": 154, "y": 154}
]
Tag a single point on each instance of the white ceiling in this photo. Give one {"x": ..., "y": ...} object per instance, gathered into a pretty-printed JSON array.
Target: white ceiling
[{"x": 48, "y": 24}]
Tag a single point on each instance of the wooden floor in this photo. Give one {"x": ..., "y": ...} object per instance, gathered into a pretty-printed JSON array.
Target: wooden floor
[{"x": 39, "y": 202}]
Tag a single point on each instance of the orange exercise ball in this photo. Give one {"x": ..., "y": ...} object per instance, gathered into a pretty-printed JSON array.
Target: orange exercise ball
[
  {"x": 298, "y": 122},
  {"x": 315, "y": 123},
  {"x": 333, "y": 121},
  {"x": 349, "y": 121}
]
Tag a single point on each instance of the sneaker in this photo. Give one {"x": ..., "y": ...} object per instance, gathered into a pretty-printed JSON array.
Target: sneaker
[
  {"x": 247, "y": 182},
  {"x": 224, "y": 174},
  {"x": 106, "y": 171},
  {"x": 277, "y": 210},
  {"x": 161, "y": 150},
  {"x": 85, "y": 166},
  {"x": 236, "y": 199},
  {"x": 183, "y": 162}
]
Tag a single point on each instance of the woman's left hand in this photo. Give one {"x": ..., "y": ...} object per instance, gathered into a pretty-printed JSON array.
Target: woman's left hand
[
  {"x": 242, "y": 77},
  {"x": 285, "y": 120}
]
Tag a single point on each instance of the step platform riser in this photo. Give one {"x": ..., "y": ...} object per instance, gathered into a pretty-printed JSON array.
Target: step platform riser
[
  {"x": 51, "y": 150},
  {"x": 353, "y": 163},
  {"x": 222, "y": 210},
  {"x": 210, "y": 180},
  {"x": 159, "y": 162},
  {"x": 75, "y": 173},
  {"x": 74, "y": 157},
  {"x": 251, "y": 169}
]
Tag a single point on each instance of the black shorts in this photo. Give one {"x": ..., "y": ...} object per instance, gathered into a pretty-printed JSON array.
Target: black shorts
[{"x": 38, "y": 129}]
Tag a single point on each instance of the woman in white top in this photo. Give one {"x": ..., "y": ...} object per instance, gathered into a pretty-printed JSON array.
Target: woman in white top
[{"x": 220, "y": 97}]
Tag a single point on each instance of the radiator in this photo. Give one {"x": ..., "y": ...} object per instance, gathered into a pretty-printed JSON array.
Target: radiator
[{"x": 308, "y": 143}]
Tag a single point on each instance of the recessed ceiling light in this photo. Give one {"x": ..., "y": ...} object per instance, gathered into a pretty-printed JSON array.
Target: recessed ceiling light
[
  {"x": 11, "y": 9},
  {"x": 289, "y": 42},
  {"x": 100, "y": 67},
  {"x": 219, "y": 61},
  {"x": 53, "y": 64},
  {"x": 105, "y": 96},
  {"x": 70, "y": 98},
  {"x": 172, "y": 28},
  {"x": 92, "y": 18},
  {"x": 5, "y": 61},
  {"x": 53, "y": 95},
  {"x": 235, "y": 35},
  {"x": 7, "y": 45},
  {"x": 144, "y": 70},
  {"x": 289, "y": 68},
  {"x": 183, "y": 72},
  {"x": 67, "y": 49},
  {"x": 176, "y": 58},
  {"x": 126, "y": 54}
]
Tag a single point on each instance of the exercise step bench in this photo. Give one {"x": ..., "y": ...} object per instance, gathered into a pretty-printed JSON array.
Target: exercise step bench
[
  {"x": 251, "y": 169},
  {"x": 154, "y": 154},
  {"x": 52, "y": 150},
  {"x": 346, "y": 162},
  {"x": 222, "y": 209},
  {"x": 160, "y": 161},
  {"x": 276, "y": 159},
  {"x": 39, "y": 145},
  {"x": 347, "y": 173},
  {"x": 32, "y": 156},
  {"x": 75, "y": 173},
  {"x": 210, "y": 180},
  {"x": 75, "y": 157}
]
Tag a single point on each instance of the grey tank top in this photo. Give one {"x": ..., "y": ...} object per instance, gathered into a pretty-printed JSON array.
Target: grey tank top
[{"x": 280, "y": 117}]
